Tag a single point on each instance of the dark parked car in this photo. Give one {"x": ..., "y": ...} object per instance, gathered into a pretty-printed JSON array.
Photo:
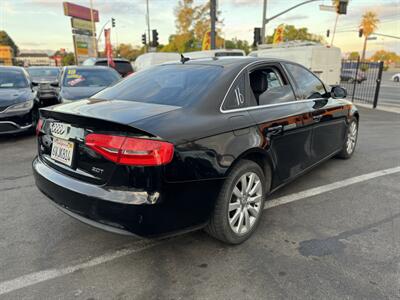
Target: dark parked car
[
  {"x": 349, "y": 75},
  {"x": 43, "y": 78},
  {"x": 83, "y": 82},
  {"x": 18, "y": 101},
  {"x": 185, "y": 146},
  {"x": 122, "y": 66}
]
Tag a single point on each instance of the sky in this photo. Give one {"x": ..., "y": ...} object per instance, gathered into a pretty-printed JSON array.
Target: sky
[{"x": 41, "y": 24}]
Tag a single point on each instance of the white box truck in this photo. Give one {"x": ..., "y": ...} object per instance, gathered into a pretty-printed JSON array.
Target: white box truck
[{"x": 324, "y": 61}]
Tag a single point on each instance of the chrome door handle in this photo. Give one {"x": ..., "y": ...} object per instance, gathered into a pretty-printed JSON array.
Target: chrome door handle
[
  {"x": 274, "y": 130},
  {"x": 317, "y": 118}
]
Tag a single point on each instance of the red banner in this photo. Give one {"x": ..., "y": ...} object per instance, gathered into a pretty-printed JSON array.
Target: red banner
[
  {"x": 107, "y": 36},
  {"x": 80, "y": 12}
]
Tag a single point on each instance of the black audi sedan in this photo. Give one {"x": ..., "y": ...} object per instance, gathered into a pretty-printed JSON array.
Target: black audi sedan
[
  {"x": 78, "y": 82},
  {"x": 191, "y": 145},
  {"x": 18, "y": 101},
  {"x": 43, "y": 78}
]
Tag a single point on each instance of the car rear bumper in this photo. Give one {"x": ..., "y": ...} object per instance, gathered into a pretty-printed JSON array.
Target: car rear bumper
[
  {"x": 10, "y": 127},
  {"x": 125, "y": 211}
]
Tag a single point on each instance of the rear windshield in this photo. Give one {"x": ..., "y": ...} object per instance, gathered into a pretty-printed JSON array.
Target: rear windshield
[
  {"x": 168, "y": 84},
  {"x": 90, "y": 77},
  {"x": 123, "y": 67},
  {"x": 220, "y": 54},
  {"x": 43, "y": 72},
  {"x": 12, "y": 79}
]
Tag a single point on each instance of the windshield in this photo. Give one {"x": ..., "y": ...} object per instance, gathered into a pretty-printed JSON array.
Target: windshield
[
  {"x": 12, "y": 79},
  {"x": 90, "y": 77},
  {"x": 43, "y": 72},
  {"x": 167, "y": 84}
]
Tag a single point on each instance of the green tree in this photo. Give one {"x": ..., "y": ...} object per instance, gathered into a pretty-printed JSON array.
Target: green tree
[
  {"x": 192, "y": 22},
  {"x": 237, "y": 44},
  {"x": 369, "y": 23},
  {"x": 385, "y": 56},
  {"x": 292, "y": 33},
  {"x": 353, "y": 55},
  {"x": 68, "y": 59},
  {"x": 5, "y": 39},
  {"x": 128, "y": 52}
]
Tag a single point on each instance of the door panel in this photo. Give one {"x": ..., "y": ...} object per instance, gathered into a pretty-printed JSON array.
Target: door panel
[
  {"x": 286, "y": 137},
  {"x": 328, "y": 117}
]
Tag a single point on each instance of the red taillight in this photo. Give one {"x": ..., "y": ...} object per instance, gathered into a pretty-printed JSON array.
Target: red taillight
[
  {"x": 131, "y": 151},
  {"x": 39, "y": 126}
]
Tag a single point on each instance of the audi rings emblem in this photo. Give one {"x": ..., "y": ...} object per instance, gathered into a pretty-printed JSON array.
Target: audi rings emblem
[{"x": 58, "y": 128}]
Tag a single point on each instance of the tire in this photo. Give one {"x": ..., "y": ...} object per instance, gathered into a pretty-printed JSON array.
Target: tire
[
  {"x": 350, "y": 141},
  {"x": 396, "y": 79},
  {"x": 35, "y": 118},
  {"x": 243, "y": 210}
]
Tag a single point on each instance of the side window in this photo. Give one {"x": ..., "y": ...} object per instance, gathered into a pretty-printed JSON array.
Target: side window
[
  {"x": 269, "y": 86},
  {"x": 236, "y": 97},
  {"x": 309, "y": 84}
]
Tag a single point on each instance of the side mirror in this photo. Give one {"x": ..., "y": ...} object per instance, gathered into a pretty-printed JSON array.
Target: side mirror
[
  {"x": 54, "y": 84},
  {"x": 338, "y": 92},
  {"x": 34, "y": 83}
]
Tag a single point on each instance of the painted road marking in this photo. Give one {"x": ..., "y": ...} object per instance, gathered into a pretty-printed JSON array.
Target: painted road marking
[
  {"x": 328, "y": 187},
  {"x": 45, "y": 275},
  {"x": 41, "y": 276}
]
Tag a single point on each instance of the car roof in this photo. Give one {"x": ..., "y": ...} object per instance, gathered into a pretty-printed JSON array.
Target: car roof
[
  {"x": 228, "y": 61},
  {"x": 43, "y": 67},
  {"x": 88, "y": 67},
  {"x": 114, "y": 59},
  {"x": 12, "y": 68}
]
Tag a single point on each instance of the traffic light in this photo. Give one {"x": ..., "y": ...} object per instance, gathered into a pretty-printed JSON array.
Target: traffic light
[
  {"x": 144, "y": 40},
  {"x": 360, "y": 32},
  {"x": 113, "y": 22},
  {"x": 257, "y": 36},
  {"x": 341, "y": 7},
  {"x": 328, "y": 32},
  {"x": 154, "y": 42}
]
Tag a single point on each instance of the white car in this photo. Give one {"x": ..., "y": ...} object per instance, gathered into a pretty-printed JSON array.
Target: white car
[{"x": 396, "y": 77}]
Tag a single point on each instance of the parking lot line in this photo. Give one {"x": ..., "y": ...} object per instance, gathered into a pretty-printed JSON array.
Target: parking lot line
[
  {"x": 41, "y": 276},
  {"x": 328, "y": 187},
  {"x": 45, "y": 275}
]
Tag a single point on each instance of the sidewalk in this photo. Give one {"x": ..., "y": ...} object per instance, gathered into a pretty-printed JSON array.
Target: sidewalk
[{"x": 387, "y": 108}]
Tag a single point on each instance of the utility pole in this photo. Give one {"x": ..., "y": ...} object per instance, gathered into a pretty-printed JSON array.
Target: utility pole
[
  {"x": 93, "y": 29},
  {"x": 334, "y": 29},
  {"x": 148, "y": 22},
  {"x": 263, "y": 33},
  {"x": 267, "y": 20},
  {"x": 213, "y": 15}
]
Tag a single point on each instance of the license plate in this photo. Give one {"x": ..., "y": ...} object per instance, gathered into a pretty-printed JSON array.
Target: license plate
[{"x": 62, "y": 151}]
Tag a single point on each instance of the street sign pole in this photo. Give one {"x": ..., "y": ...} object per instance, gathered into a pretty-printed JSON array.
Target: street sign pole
[
  {"x": 93, "y": 29},
  {"x": 213, "y": 15},
  {"x": 148, "y": 23},
  {"x": 334, "y": 29},
  {"x": 263, "y": 24}
]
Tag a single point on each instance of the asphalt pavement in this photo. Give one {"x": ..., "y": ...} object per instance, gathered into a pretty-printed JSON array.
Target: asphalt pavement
[{"x": 341, "y": 243}]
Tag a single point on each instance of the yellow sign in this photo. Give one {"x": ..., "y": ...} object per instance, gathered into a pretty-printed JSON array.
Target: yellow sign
[
  {"x": 279, "y": 34},
  {"x": 206, "y": 41},
  {"x": 81, "y": 24},
  {"x": 6, "y": 55}
]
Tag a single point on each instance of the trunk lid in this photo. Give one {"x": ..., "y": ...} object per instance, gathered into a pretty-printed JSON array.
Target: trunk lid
[{"x": 68, "y": 124}]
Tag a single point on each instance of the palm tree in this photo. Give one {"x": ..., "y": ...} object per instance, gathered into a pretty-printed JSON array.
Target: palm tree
[{"x": 369, "y": 23}]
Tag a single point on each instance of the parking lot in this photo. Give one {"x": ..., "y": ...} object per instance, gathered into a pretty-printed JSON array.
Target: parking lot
[{"x": 338, "y": 239}]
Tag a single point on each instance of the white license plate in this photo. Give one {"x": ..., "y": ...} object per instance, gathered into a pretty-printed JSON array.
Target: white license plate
[{"x": 62, "y": 151}]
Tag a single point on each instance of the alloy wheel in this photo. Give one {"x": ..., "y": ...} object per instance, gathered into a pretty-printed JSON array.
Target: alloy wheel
[
  {"x": 245, "y": 203},
  {"x": 351, "y": 137}
]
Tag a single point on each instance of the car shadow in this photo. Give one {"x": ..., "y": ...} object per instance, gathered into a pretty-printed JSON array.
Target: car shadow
[{"x": 16, "y": 137}]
